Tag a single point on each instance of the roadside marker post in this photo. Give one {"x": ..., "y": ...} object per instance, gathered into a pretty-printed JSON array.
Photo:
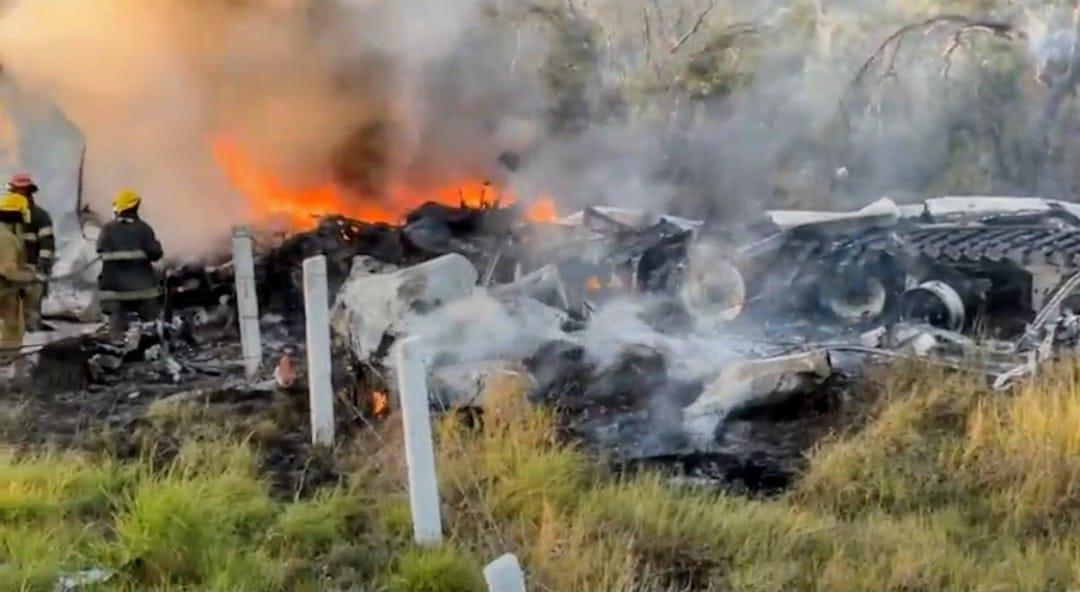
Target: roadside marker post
[
  {"x": 505, "y": 575},
  {"x": 320, "y": 387},
  {"x": 247, "y": 301},
  {"x": 419, "y": 446}
]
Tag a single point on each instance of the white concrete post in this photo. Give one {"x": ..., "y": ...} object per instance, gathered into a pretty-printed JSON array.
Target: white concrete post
[
  {"x": 247, "y": 301},
  {"x": 320, "y": 388},
  {"x": 504, "y": 575},
  {"x": 419, "y": 446}
]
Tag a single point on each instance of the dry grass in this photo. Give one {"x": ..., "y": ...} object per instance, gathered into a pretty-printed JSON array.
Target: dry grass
[
  {"x": 1027, "y": 448},
  {"x": 945, "y": 486}
]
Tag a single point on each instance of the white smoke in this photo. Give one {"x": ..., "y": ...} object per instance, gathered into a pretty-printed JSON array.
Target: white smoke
[
  {"x": 371, "y": 94},
  {"x": 665, "y": 105},
  {"x": 480, "y": 328},
  {"x": 620, "y": 324}
]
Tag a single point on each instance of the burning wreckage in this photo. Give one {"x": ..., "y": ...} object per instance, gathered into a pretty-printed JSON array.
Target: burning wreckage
[{"x": 721, "y": 352}]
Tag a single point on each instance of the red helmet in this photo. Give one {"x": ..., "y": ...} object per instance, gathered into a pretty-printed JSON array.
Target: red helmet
[{"x": 20, "y": 181}]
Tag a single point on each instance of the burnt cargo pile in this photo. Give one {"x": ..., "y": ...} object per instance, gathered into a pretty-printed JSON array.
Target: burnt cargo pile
[{"x": 721, "y": 354}]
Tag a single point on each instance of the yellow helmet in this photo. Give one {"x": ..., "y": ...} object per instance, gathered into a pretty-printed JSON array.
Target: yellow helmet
[
  {"x": 125, "y": 200},
  {"x": 13, "y": 202}
]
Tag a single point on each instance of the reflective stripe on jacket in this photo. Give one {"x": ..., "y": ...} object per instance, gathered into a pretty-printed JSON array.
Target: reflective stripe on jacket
[
  {"x": 127, "y": 246},
  {"x": 133, "y": 255},
  {"x": 147, "y": 294},
  {"x": 38, "y": 236}
]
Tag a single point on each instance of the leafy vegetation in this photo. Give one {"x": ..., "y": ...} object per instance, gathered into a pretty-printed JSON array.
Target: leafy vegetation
[
  {"x": 836, "y": 102},
  {"x": 943, "y": 485}
]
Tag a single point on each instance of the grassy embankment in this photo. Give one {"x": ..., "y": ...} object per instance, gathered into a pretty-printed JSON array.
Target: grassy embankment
[{"x": 944, "y": 487}]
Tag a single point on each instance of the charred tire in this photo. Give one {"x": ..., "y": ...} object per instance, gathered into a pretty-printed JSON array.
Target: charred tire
[
  {"x": 714, "y": 293},
  {"x": 853, "y": 299},
  {"x": 936, "y": 303}
]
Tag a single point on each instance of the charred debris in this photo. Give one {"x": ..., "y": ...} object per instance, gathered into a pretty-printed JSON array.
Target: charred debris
[{"x": 663, "y": 341}]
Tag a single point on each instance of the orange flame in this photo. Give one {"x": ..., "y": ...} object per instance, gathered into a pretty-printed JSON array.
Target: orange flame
[
  {"x": 268, "y": 194},
  {"x": 542, "y": 210},
  {"x": 380, "y": 403}
]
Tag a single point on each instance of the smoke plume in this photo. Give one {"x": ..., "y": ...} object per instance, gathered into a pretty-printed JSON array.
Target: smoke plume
[
  {"x": 692, "y": 107},
  {"x": 365, "y": 94},
  {"x": 727, "y": 108}
]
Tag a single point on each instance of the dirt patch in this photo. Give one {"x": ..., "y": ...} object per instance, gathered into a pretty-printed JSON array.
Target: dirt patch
[{"x": 138, "y": 422}]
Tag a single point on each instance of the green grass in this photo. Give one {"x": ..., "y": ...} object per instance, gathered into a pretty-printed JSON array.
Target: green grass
[
  {"x": 940, "y": 485},
  {"x": 443, "y": 569}
]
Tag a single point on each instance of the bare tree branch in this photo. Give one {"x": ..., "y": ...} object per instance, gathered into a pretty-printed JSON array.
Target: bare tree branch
[
  {"x": 928, "y": 25},
  {"x": 890, "y": 70},
  {"x": 888, "y": 50},
  {"x": 694, "y": 29},
  {"x": 956, "y": 40},
  {"x": 646, "y": 34}
]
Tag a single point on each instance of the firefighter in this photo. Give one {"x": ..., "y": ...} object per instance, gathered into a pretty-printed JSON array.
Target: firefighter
[
  {"x": 15, "y": 273},
  {"x": 127, "y": 246},
  {"x": 40, "y": 248}
]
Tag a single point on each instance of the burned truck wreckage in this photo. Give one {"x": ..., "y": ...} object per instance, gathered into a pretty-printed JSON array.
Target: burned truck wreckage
[
  {"x": 989, "y": 280},
  {"x": 661, "y": 340}
]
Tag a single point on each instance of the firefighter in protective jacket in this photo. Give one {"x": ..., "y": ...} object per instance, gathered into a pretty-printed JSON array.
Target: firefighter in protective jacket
[
  {"x": 40, "y": 247},
  {"x": 128, "y": 247},
  {"x": 15, "y": 273}
]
